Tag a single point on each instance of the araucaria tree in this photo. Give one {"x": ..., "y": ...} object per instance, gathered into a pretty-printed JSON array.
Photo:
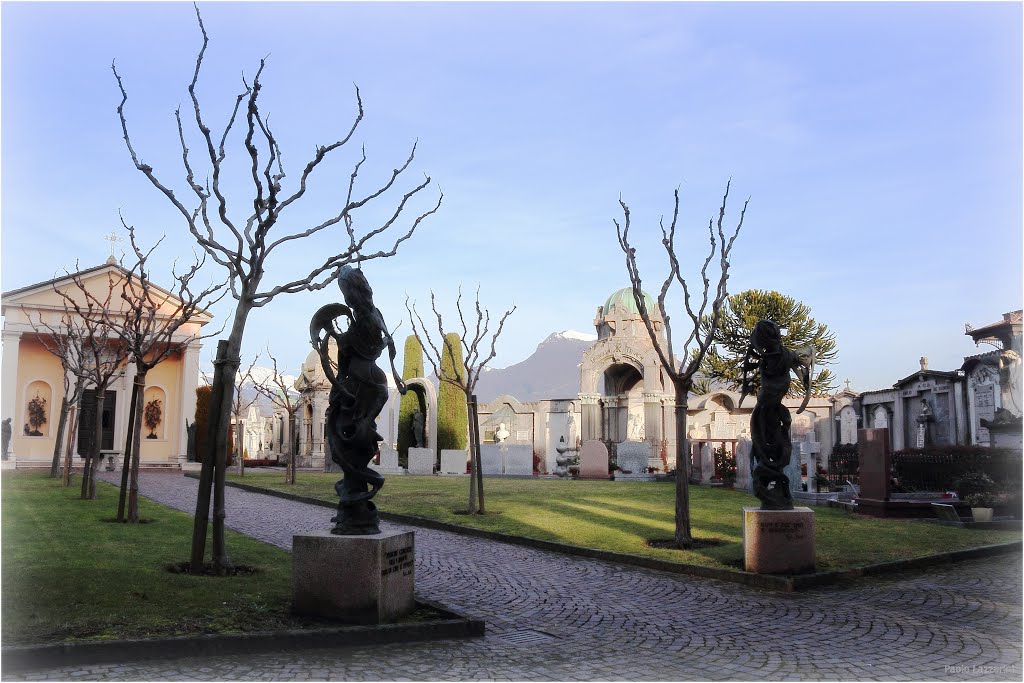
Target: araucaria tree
[
  {"x": 724, "y": 360},
  {"x": 412, "y": 366},
  {"x": 698, "y": 339},
  {"x": 464, "y": 373},
  {"x": 241, "y": 235}
]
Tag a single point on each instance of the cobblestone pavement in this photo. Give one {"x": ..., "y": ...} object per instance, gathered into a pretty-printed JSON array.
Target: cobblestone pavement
[{"x": 556, "y": 617}]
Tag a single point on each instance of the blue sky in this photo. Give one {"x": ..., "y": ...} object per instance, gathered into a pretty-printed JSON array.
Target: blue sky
[{"x": 879, "y": 143}]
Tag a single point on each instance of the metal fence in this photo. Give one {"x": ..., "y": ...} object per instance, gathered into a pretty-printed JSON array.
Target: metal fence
[
  {"x": 843, "y": 465},
  {"x": 939, "y": 468}
]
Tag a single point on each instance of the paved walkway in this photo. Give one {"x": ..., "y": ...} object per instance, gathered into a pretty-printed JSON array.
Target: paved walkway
[{"x": 555, "y": 617}]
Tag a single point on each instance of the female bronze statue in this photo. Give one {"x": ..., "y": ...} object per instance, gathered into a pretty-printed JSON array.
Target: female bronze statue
[
  {"x": 771, "y": 447},
  {"x": 359, "y": 391}
]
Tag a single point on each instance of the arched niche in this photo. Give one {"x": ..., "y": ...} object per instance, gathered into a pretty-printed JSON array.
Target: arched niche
[
  {"x": 429, "y": 395},
  {"x": 37, "y": 407},
  {"x": 154, "y": 414}
]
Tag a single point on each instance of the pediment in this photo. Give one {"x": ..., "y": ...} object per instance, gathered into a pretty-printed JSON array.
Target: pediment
[{"x": 97, "y": 281}]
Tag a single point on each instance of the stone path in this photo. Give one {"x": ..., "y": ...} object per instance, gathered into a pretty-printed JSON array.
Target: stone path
[{"x": 555, "y": 617}]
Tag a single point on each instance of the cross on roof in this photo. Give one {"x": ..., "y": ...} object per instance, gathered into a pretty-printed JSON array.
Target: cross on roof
[
  {"x": 113, "y": 238},
  {"x": 847, "y": 385}
]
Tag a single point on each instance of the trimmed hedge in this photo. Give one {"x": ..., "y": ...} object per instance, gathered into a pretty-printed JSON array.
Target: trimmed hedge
[
  {"x": 452, "y": 412},
  {"x": 412, "y": 366}
]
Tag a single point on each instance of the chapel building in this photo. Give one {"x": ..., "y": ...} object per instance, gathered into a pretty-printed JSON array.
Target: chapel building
[{"x": 33, "y": 379}]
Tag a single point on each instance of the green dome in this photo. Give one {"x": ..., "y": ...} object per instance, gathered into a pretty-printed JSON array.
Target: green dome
[{"x": 624, "y": 300}]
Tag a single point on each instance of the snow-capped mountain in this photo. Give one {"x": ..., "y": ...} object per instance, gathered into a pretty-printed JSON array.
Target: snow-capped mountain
[{"x": 552, "y": 371}]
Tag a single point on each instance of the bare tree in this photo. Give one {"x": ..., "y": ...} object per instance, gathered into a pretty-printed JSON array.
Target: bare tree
[
  {"x": 242, "y": 245},
  {"x": 681, "y": 370},
  {"x": 88, "y": 318},
  {"x": 466, "y": 377},
  {"x": 150, "y": 326},
  {"x": 65, "y": 343},
  {"x": 239, "y": 407},
  {"x": 278, "y": 392}
]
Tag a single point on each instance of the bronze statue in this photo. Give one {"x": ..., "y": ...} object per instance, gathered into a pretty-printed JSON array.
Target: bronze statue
[
  {"x": 190, "y": 442},
  {"x": 771, "y": 448},
  {"x": 417, "y": 430},
  {"x": 359, "y": 391},
  {"x": 6, "y": 430}
]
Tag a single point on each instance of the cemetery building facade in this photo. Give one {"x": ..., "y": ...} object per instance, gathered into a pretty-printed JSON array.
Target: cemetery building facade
[
  {"x": 977, "y": 404},
  {"x": 625, "y": 396},
  {"x": 33, "y": 379},
  {"x": 310, "y": 416}
]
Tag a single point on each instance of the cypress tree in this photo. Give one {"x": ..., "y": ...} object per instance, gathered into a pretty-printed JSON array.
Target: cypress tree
[
  {"x": 412, "y": 366},
  {"x": 452, "y": 413}
]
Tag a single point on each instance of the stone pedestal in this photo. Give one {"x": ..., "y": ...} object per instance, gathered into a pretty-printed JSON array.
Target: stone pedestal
[
  {"x": 778, "y": 541},
  {"x": 453, "y": 461},
  {"x": 354, "y": 579},
  {"x": 421, "y": 461}
]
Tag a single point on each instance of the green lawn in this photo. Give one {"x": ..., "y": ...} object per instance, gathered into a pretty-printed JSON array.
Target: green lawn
[
  {"x": 68, "y": 574},
  {"x": 622, "y": 516}
]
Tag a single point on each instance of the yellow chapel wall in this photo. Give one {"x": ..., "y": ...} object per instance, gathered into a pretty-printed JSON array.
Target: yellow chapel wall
[
  {"x": 167, "y": 377},
  {"x": 36, "y": 364}
]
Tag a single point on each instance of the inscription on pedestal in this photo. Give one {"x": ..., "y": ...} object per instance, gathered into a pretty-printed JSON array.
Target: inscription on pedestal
[
  {"x": 778, "y": 541},
  {"x": 400, "y": 560}
]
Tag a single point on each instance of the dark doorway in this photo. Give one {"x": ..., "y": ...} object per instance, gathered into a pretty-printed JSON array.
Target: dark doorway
[{"x": 87, "y": 421}]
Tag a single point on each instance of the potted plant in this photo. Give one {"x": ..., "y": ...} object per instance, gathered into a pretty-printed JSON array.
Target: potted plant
[
  {"x": 981, "y": 506},
  {"x": 973, "y": 482}
]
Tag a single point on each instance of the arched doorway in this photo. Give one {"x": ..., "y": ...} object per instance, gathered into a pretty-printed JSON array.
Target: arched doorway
[{"x": 622, "y": 401}]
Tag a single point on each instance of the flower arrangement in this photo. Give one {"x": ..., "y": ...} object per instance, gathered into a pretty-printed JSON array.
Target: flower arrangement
[
  {"x": 36, "y": 415},
  {"x": 152, "y": 415}
]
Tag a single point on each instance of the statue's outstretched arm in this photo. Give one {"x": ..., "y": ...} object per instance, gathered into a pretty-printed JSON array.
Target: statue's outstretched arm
[
  {"x": 803, "y": 367},
  {"x": 323, "y": 321}
]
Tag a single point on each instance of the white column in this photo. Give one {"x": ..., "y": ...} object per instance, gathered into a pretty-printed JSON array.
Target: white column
[
  {"x": 189, "y": 383},
  {"x": 8, "y": 408},
  {"x": 123, "y": 388}
]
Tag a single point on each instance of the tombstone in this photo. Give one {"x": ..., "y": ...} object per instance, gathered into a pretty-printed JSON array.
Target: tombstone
[
  {"x": 632, "y": 458},
  {"x": 848, "y": 425},
  {"x": 743, "y": 465},
  {"x": 453, "y": 461},
  {"x": 593, "y": 460},
  {"x": 792, "y": 470},
  {"x": 421, "y": 461},
  {"x": 388, "y": 461},
  {"x": 707, "y": 463},
  {"x": 490, "y": 459},
  {"x": 517, "y": 460},
  {"x": 875, "y": 463}
]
